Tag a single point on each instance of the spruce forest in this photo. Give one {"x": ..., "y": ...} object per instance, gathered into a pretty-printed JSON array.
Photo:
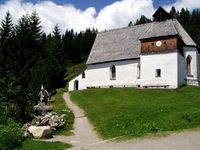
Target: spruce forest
[{"x": 29, "y": 58}]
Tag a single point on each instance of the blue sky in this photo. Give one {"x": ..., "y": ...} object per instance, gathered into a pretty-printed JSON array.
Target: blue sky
[{"x": 98, "y": 4}]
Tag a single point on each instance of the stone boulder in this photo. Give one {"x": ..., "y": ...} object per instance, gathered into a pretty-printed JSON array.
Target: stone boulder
[
  {"x": 40, "y": 132},
  {"x": 57, "y": 121},
  {"x": 50, "y": 119},
  {"x": 25, "y": 129}
]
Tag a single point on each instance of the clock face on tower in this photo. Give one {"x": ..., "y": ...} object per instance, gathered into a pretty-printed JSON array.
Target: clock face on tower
[{"x": 158, "y": 43}]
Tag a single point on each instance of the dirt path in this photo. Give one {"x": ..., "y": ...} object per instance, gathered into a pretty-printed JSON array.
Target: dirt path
[
  {"x": 85, "y": 138},
  {"x": 177, "y": 141}
]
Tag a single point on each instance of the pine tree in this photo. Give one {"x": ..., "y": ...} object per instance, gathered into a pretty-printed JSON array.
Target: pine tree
[
  {"x": 68, "y": 44},
  {"x": 8, "y": 84},
  {"x": 130, "y": 24},
  {"x": 142, "y": 20},
  {"x": 6, "y": 31},
  {"x": 27, "y": 40},
  {"x": 56, "y": 66},
  {"x": 173, "y": 12},
  {"x": 89, "y": 37}
]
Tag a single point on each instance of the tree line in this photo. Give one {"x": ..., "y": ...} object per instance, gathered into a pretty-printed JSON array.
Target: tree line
[{"x": 29, "y": 58}]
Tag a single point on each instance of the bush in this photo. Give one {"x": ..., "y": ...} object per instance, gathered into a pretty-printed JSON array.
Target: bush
[
  {"x": 69, "y": 120},
  {"x": 30, "y": 144},
  {"x": 10, "y": 136}
]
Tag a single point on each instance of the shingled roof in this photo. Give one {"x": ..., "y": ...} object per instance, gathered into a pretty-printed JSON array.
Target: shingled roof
[{"x": 124, "y": 43}]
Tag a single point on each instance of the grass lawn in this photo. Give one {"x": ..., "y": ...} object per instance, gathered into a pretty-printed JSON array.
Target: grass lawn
[
  {"x": 60, "y": 107},
  {"x": 41, "y": 145},
  {"x": 131, "y": 112}
]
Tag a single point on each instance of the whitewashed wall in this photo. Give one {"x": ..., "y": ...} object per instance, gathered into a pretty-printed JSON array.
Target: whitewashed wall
[
  {"x": 99, "y": 75},
  {"x": 81, "y": 82},
  {"x": 172, "y": 65},
  {"x": 167, "y": 62},
  {"x": 198, "y": 64},
  {"x": 192, "y": 51}
]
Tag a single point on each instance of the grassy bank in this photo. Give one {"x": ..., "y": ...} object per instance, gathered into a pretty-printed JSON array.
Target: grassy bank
[
  {"x": 60, "y": 107},
  {"x": 132, "y": 112},
  {"x": 42, "y": 145},
  {"x": 74, "y": 70}
]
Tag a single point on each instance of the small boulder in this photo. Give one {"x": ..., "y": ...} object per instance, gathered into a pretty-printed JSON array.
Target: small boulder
[
  {"x": 25, "y": 129},
  {"x": 45, "y": 120},
  {"x": 40, "y": 132},
  {"x": 56, "y": 121}
]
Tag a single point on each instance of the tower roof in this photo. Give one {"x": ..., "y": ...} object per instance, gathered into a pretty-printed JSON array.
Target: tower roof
[{"x": 161, "y": 15}]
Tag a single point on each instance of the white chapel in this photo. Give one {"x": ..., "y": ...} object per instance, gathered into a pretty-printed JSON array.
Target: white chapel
[{"x": 159, "y": 54}]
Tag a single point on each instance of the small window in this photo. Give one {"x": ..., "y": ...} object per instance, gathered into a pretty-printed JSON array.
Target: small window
[
  {"x": 113, "y": 72},
  {"x": 152, "y": 43},
  {"x": 188, "y": 65},
  {"x": 158, "y": 72},
  {"x": 83, "y": 75},
  {"x": 138, "y": 71},
  {"x": 76, "y": 85},
  {"x": 165, "y": 42}
]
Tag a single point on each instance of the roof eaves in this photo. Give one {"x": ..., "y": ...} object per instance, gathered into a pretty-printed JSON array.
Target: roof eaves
[
  {"x": 155, "y": 37},
  {"x": 177, "y": 22},
  {"x": 112, "y": 61}
]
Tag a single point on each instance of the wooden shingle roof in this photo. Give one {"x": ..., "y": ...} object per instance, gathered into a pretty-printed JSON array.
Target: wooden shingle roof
[{"x": 124, "y": 43}]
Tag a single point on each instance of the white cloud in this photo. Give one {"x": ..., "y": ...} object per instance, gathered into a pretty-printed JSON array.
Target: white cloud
[
  {"x": 179, "y": 4},
  {"x": 121, "y": 13},
  {"x": 67, "y": 16}
]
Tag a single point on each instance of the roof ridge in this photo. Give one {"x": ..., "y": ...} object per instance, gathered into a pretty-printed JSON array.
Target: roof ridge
[
  {"x": 121, "y": 28},
  {"x": 139, "y": 25},
  {"x": 173, "y": 22},
  {"x": 177, "y": 25},
  {"x": 146, "y": 31}
]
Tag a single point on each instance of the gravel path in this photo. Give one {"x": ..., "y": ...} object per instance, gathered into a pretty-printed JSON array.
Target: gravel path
[
  {"x": 85, "y": 138},
  {"x": 176, "y": 141}
]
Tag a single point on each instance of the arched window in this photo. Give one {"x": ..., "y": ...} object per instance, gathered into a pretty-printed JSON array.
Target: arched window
[
  {"x": 113, "y": 72},
  {"x": 76, "y": 85},
  {"x": 83, "y": 75},
  {"x": 188, "y": 65},
  {"x": 138, "y": 70}
]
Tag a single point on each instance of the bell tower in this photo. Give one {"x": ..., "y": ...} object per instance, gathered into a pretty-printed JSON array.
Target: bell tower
[
  {"x": 157, "y": 39},
  {"x": 161, "y": 15}
]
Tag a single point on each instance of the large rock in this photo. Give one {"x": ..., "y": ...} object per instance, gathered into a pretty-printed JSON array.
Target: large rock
[
  {"x": 53, "y": 120},
  {"x": 39, "y": 132}
]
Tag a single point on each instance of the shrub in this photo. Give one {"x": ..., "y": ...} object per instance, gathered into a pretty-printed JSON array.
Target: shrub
[
  {"x": 187, "y": 117},
  {"x": 69, "y": 120},
  {"x": 10, "y": 136}
]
